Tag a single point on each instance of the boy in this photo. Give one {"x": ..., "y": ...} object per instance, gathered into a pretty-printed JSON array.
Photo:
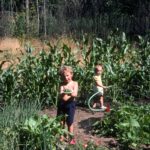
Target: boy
[
  {"x": 68, "y": 93},
  {"x": 98, "y": 85}
]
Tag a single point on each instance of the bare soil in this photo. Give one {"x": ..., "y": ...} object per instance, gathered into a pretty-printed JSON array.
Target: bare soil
[
  {"x": 84, "y": 119},
  {"x": 13, "y": 49}
]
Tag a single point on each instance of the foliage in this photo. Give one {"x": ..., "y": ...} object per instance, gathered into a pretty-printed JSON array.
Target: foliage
[
  {"x": 35, "y": 80},
  {"x": 21, "y": 128},
  {"x": 40, "y": 132},
  {"x": 79, "y": 16},
  {"x": 20, "y": 25},
  {"x": 129, "y": 123},
  {"x": 11, "y": 116}
]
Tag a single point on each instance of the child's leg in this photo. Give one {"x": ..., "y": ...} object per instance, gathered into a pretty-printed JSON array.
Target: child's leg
[
  {"x": 70, "y": 128},
  {"x": 102, "y": 101},
  {"x": 63, "y": 123},
  {"x": 70, "y": 118},
  {"x": 61, "y": 113},
  {"x": 63, "y": 126},
  {"x": 72, "y": 140},
  {"x": 94, "y": 105},
  {"x": 95, "y": 100}
]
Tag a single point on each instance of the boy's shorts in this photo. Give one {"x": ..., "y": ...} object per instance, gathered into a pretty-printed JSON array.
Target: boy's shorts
[
  {"x": 98, "y": 89},
  {"x": 67, "y": 108}
]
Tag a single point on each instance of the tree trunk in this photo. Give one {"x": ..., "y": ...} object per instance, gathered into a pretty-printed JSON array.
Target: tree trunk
[
  {"x": 2, "y": 7},
  {"x": 45, "y": 22},
  {"x": 27, "y": 16},
  {"x": 11, "y": 8},
  {"x": 38, "y": 17}
]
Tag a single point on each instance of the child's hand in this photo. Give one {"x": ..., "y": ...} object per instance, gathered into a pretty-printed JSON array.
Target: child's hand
[
  {"x": 66, "y": 97},
  {"x": 105, "y": 87}
]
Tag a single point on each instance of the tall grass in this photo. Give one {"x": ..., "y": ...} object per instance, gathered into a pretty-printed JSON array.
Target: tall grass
[{"x": 10, "y": 118}]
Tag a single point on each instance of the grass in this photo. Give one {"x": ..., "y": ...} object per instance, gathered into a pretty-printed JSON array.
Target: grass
[{"x": 12, "y": 117}]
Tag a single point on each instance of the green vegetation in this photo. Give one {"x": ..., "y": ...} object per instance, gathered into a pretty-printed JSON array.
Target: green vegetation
[
  {"x": 40, "y": 132},
  {"x": 36, "y": 18},
  {"x": 126, "y": 65},
  {"x": 34, "y": 84},
  {"x": 11, "y": 116},
  {"x": 129, "y": 123}
]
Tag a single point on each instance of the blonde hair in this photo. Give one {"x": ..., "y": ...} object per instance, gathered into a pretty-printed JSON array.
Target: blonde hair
[
  {"x": 97, "y": 67},
  {"x": 64, "y": 69}
]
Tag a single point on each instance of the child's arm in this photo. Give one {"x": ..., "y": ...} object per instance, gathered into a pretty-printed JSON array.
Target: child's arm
[
  {"x": 67, "y": 96},
  {"x": 99, "y": 83},
  {"x": 64, "y": 96},
  {"x": 75, "y": 90}
]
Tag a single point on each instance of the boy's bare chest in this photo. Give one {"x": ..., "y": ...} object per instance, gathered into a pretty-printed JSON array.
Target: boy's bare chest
[{"x": 69, "y": 85}]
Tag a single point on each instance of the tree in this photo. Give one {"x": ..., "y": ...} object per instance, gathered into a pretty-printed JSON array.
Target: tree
[
  {"x": 45, "y": 17},
  {"x": 2, "y": 6},
  {"x": 38, "y": 17},
  {"x": 27, "y": 16}
]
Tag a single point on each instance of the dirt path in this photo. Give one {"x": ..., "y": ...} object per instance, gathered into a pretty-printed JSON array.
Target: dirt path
[{"x": 82, "y": 125}]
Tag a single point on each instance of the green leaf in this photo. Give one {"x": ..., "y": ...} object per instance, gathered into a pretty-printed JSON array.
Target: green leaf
[
  {"x": 134, "y": 144},
  {"x": 134, "y": 122},
  {"x": 124, "y": 124}
]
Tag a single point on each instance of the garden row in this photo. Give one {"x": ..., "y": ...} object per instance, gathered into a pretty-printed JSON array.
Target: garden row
[{"x": 34, "y": 84}]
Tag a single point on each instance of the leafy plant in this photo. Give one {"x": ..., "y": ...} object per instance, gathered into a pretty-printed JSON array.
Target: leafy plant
[
  {"x": 128, "y": 123},
  {"x": 36, "y": 81},
  {"x": 11, "y": 117},
  {"x": 40, "y": 132}
]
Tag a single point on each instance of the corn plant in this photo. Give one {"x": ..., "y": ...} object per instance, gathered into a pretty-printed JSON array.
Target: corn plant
[
  {"x": 126, "y": 67},
  {"x": 36, "y": 81}
]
